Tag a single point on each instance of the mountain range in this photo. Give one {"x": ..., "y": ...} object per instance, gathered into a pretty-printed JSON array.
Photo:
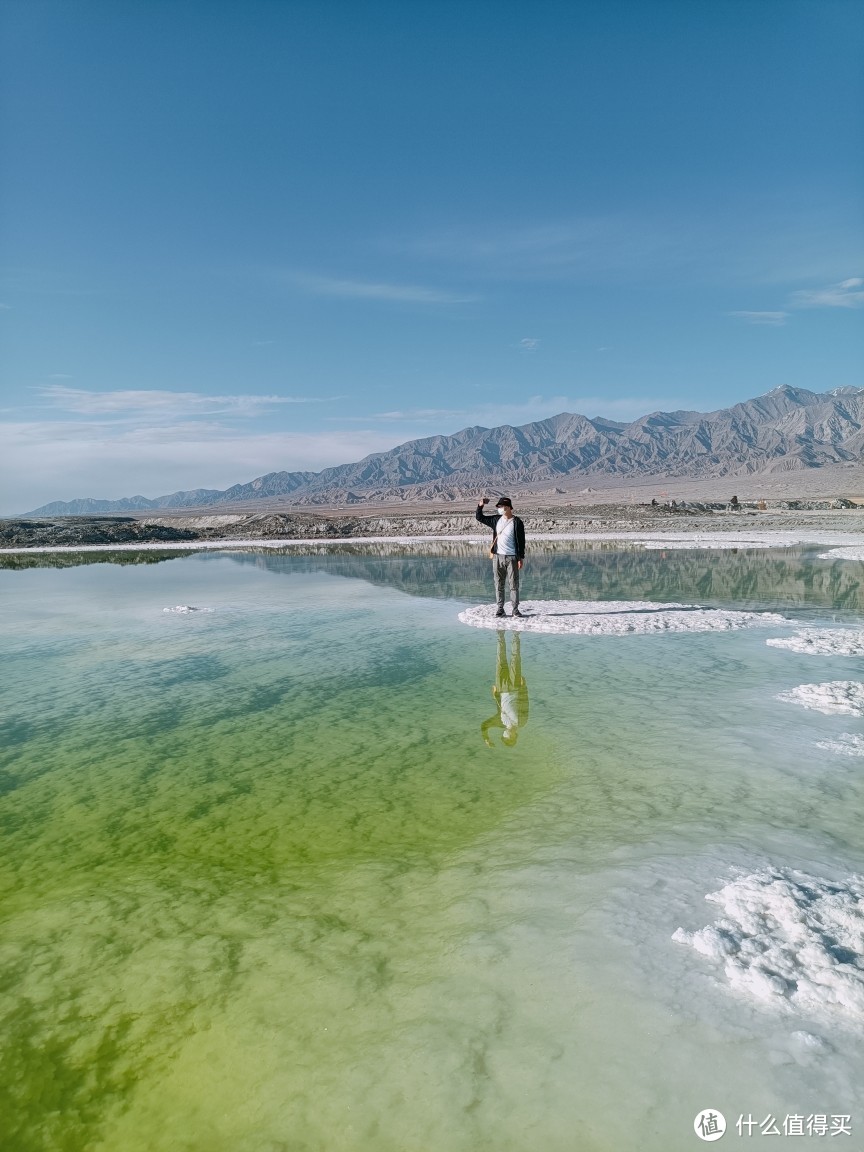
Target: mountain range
[{"x": 787, "y": 428}]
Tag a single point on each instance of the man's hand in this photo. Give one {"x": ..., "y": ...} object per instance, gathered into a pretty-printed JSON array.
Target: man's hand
[
  {"x": 481, "y": 503},
  {"x": 518, "y": 563}
]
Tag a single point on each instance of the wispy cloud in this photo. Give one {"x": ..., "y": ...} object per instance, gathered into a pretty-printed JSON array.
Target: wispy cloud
[
  {"x": 160, "y": 404},
  {"x": 771, "y": 319},
  {"x": 846, "y": 294},
  {"x": 61, "y": 460},
  {"x": 378, "y": 290},
  {"x": 641, "y": 247},
  {"x": 587, "y": 245},
  {"x": 528, "y": 344},
  {"x": 156, "y": 441},
  {"x": 493, "y": 413}
]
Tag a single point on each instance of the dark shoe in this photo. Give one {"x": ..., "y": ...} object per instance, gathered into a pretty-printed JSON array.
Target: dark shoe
[
  {"x": 500, "y": 612},
  {"x": 516, "y": 612}
]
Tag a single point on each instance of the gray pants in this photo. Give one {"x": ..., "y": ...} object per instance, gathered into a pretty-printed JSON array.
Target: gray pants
[{"x": 506, "y": 568}]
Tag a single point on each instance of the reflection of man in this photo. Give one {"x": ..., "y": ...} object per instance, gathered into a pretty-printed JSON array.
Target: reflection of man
[
  {"x": 510, "y": 692},
  {"x": 507, "y": 552}
]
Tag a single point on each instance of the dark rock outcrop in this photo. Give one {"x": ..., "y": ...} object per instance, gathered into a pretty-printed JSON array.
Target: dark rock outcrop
[{"x": 74, "y": 531}]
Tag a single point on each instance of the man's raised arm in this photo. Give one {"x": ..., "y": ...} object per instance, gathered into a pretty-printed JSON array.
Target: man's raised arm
[{"x": 489, "y": 521}]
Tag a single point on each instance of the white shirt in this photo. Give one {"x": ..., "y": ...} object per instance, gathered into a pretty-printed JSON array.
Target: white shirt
[
  {"x": 510, "y": 709},
  {"x": 506, "y": 529}
]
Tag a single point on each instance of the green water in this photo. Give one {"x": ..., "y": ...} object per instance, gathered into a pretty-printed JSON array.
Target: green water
[{"x": 265, "y": 887}]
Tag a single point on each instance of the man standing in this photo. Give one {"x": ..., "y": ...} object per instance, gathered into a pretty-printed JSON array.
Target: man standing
[{"x": 507, "y": 552}]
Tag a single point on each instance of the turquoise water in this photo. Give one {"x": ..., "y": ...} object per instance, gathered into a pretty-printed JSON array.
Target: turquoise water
[{"x": 265, "y": 886}]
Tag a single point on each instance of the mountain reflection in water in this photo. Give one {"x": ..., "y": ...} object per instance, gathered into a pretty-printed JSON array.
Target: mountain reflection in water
[
  {"x": 767, "y": 578},
  {"x": 785, "y": 578}
]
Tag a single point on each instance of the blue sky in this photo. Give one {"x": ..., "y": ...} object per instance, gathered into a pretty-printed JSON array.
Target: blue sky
[{"x": 242, "y": 237}]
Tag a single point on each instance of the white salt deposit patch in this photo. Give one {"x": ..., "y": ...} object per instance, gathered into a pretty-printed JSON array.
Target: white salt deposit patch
[
  {"x": 808, "y": 1040},
  {"x": 615, "y": 617},
  {"x": 183, "y": 608},
  {"x": 823, "y": 642},
  {"x": 849, "y": 744},
  {"x": 790, "y": 938},
  {"x": 843, "y": 554},
  {"x": 836, "y": 697}
]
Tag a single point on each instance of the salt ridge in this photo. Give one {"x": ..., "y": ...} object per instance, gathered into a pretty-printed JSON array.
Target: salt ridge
[
  {"x": 615, "y": 618},
  {"x": 790, "y": 939},
  {"x": 822, "y": 642},
  {"x": 835, "y": 697}
]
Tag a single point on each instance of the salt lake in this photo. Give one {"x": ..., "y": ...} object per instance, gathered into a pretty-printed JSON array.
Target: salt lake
[{"x": 276, "y": 876}]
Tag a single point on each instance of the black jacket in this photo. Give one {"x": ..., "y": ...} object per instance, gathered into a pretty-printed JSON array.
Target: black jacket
[{"x": 492, "y": 522}]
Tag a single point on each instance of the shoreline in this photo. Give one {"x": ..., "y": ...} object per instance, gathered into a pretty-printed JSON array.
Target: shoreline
[{"x": 766, "y": 538}]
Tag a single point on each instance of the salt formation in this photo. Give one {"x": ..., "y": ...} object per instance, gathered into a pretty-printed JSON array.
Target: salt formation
[
  {"x": 789, "y": 938},
  {"x": 849, "y": 744},
  {"x": 843, "y": 554},
  {"x": 808, "y": 1040},
  {"x": 615, "y": 617},
  {"x": 843, "y": 697},
  {"x": 823, "y": 642},
  {"x": 181, "y": 608}
]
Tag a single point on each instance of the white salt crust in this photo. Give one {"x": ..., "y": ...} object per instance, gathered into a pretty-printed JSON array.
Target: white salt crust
[
  {"x": 836, "y": 697},
  {"x": 808, "y": 1040},
  {"x": 843, "y": 554},
  {"x": 615, "y": 618},
  {"x": 792, "y": 939},
  {"x": 823, "y": 642},
  {"x": 849, "y": 744},
  {"x": 183, "y": 608}
]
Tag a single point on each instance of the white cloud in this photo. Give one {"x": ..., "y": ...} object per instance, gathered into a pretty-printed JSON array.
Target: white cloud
[
  {"x": 847, "y": 294},
  {"x": 120, "y": 443},
  {"x": 43, "y": 461},
  {"x": 377, "y": 290},
  {"x": 771, "y": 319},
  {"x": 528, "y": 344},
  {"x": 162, "y": 405}
]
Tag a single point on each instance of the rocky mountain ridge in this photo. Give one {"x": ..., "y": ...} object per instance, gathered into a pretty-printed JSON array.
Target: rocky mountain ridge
[{"x": 786, "y": 429}]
